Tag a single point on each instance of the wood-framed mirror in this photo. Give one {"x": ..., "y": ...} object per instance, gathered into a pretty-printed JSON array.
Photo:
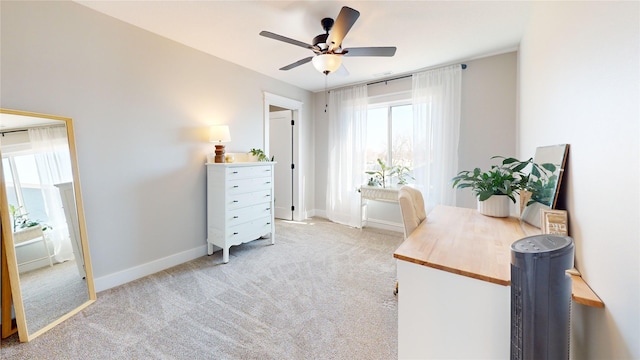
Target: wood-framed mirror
[
  {"x": 44, "y": 238},
  {"x": 545, "y": 188}
]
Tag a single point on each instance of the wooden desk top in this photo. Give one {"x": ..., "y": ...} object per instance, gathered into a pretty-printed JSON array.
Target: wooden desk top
[{"x": 464, "y": 242}]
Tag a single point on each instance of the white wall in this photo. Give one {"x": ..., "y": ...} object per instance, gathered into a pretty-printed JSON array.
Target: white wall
[
  {"x": 579, "y": 85},
  {"x": 141, "y": 105},
  {"x": 489, "y": 92},
  {"x": 489, "y": 89}
]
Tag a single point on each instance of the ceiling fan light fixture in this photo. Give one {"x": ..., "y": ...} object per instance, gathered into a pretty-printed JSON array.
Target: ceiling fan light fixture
[{"x": 327, "y": 63}]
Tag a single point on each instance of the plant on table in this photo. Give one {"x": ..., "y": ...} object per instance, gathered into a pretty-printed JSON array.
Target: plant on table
[
  {"x": 260, "y": 154},
  {"x": 403, "y": 173},
  {"x": 21, "y": 219},
  {"x": 507, "y": 178},
  {"x": 380, "y": 176},
  {"x": 383, "y": 176}
]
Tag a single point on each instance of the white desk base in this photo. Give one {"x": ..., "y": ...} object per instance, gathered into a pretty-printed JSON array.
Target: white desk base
[{"x": 445, "y": 315}]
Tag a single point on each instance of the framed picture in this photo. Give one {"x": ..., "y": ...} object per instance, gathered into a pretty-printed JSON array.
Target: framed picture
[{"x": 554, "y": 222}]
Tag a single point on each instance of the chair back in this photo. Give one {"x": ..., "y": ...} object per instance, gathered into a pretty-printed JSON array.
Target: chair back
[{"x": 411, "y": 208}]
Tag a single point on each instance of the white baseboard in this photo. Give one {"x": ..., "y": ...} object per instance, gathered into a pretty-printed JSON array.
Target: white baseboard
[
  {"x": 137, "y": 272},
  {"x": 374, "y": 223},
  {"x": 385, "y": 225}
]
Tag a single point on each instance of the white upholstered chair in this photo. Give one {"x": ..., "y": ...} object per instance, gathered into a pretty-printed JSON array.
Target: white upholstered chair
[{"x": 411, "y": 208}]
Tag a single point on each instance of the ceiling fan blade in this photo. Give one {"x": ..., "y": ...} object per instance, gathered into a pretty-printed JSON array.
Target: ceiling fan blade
[
  {"x": 285, "y": 39},
  {"x": 297, "y": 63},
  {"x": 370, "y": 51},
  {"x": 345, "y": 20}
]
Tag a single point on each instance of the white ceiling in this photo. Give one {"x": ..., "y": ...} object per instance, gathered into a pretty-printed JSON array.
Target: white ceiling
[
  {"x": 10, "y": 122},
  {"x": 426, "y": 33}
]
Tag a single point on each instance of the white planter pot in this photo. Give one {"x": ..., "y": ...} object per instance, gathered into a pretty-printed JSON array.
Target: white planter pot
[{"x": 496, "y": 206}]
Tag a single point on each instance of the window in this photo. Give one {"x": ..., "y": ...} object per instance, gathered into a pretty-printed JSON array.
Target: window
[
  {"x": 24, "y": 190},
  {"x": 389, "y": 137}
]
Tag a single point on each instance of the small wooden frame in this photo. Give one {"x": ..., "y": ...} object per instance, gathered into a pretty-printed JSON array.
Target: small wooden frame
[{"x": 554, "y": 222}]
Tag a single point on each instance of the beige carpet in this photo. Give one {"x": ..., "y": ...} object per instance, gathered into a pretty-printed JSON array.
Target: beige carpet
[
  {"x": 323, "y": 291},
  {"x": 50, "y": 292}
]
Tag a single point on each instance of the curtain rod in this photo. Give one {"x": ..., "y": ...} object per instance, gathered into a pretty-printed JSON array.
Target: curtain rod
[
  {"x": 32, "y": 127},
  {"x": 463, "y": 66},
  {"x": 11, "y": 131}
]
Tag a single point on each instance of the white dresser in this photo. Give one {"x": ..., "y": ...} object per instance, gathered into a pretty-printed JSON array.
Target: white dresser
[{"x": 239, "y": 204}]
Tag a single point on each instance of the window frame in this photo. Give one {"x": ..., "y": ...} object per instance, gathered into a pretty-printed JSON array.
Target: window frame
[{"x": 389, "y": 105}]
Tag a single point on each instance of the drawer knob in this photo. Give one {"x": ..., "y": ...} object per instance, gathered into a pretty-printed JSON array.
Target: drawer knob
[
  {"x": 235, "y": 201},
  {"x": 235, "y": 172},
  {"x": 235, "y": 233},
  {"x": 235, "y": 217},
  {"x": 268, "y": 195},
  {"x": 268, "y": 182},
  {"x": 235, "y": 186},
  {"x": 268, "y": 223},
  {"x": 268, "y": 209}
]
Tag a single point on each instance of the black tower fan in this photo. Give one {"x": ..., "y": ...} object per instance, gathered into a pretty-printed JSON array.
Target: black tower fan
[{"x": 541, "y": 297}]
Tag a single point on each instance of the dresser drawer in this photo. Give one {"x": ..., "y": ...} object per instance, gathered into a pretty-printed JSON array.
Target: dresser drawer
[
  {"x": 249, "y": 213},
  {"x": 240, "y": 186},
  {"x": 237, "y": 201},
  {"x": 249, "y": 231},
  {"x": 244, "y": 172}
]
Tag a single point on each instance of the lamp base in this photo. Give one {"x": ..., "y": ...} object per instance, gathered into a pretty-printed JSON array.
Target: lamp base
[{"x": 219, "y": 158}]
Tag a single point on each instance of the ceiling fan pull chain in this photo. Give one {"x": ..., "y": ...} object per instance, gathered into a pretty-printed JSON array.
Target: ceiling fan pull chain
[{"x": 326, "y": 80}]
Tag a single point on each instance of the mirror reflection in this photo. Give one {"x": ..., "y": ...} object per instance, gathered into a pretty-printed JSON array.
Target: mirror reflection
[
  {"x": 48, "y": 250},
  {"x": 544, "y": 181}
]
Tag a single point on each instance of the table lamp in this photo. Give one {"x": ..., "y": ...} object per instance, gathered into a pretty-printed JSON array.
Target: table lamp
[{"x": 219, "y": 134}]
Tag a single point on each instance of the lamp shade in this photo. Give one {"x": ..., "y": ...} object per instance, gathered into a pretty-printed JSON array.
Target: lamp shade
[
  {"x": 219, "y": 133},
  {"x": 327, "y": 63}
]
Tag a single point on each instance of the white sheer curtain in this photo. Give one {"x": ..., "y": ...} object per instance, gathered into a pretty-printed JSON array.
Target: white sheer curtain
[
  {"x": 54, "y": 166},
  {"x": 436, "y": 124},
  {"x": 346, "y": 146}
]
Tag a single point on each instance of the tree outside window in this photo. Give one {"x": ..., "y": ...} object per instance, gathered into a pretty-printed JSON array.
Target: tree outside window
[{"x": 390, "y": 139}]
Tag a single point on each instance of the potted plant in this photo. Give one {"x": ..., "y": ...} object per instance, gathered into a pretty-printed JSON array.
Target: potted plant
[
  {"x": 403, "y": 174},
  {"x": 384, "y": 176},
  {"x": 495, "y": 187},
  {"x": 259, "y": 155},
  {"x": 380, "y": 176},
  {"x": 21, "y": 220}
]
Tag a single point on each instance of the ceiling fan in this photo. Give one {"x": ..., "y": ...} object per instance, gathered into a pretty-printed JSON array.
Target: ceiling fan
[{"x": 328, "y": 46}]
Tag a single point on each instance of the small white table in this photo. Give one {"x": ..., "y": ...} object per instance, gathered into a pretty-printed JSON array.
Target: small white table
[
  {"x": 377, "y": 194},
  {"x": 31, "y": 235}
]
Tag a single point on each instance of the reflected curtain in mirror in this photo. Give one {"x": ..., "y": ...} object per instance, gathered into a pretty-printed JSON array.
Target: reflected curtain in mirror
[{"x": 43, "y": 231}]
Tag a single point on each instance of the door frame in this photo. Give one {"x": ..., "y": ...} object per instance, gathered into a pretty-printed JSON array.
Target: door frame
[{"x": 296, "y": 111}]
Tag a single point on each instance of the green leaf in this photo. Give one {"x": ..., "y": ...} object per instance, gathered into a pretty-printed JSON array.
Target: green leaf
[
  {"x": 484, "y": 195},
  {"x": 519, "y": 167},
  {"x": 535, "y": 172},
  {"x": 550, "y": 167},
  {"x": 509, "y": 161}
]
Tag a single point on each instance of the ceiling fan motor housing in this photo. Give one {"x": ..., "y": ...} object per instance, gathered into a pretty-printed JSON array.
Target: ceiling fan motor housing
[
  {"x": 321, "y": 41},
  {"x": 327, "y": 24}
]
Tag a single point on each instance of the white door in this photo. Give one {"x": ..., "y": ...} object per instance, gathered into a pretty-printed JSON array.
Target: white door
[{"x": 281, "y": 148}]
